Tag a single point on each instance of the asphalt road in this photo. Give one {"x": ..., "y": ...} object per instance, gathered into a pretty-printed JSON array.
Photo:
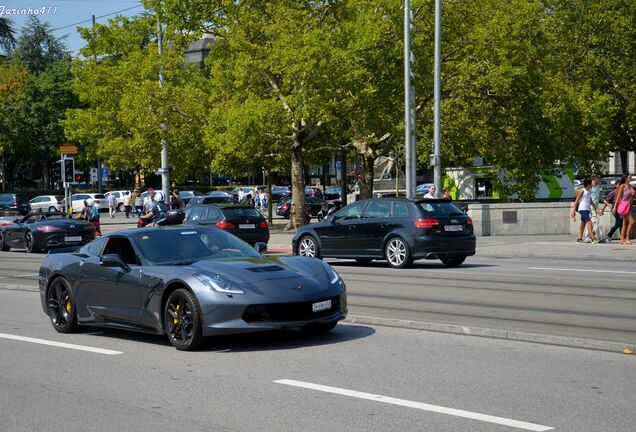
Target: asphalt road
[
  {"x": 579, "y": 299},
  {"x": 357, "y": 378}
]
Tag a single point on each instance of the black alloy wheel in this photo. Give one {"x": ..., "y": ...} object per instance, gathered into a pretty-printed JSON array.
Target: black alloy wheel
[
  {"x": 398, "y": 253},
  {"x": 29, "y": 243},
  {"x": 182, "y": 320},
  {"x": 308, "y": 247},
  {"x": 3, "y": 245},
  {"x": 62, "y": 312},
  {"x": 453, "y": 261},
  {"x": 364, "y": 260},
  {"x": 319, "y": 328}
]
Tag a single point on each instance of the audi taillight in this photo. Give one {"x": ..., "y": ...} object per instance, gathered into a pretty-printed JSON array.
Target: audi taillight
[
  {"x": 469, "y": 221},
  {"x": 426, "y": 223},
  {"x": 263, "y": 225},
  {"x": 48, "y": 228},
  {"x": 225, "y": 225}
]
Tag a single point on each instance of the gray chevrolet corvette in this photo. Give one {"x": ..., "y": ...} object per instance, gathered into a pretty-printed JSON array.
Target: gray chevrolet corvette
[{"x": 187, "y": 283}]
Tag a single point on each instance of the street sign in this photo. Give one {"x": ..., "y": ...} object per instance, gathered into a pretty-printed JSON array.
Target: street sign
[
  {"x": 93, "y": 174},
  {"x": 338, "y": 165},
  {"x": 69, "y": 149},
  {"x": 163, "y": 170},
  {"x": 104, "y": 174}
]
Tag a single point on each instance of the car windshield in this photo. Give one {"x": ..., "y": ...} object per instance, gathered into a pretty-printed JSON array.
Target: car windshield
[
  {"x": 440, "y": 208},
  {"x": 187, "y": 245}
]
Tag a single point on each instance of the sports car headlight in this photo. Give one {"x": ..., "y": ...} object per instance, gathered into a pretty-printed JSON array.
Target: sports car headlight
[
  {"x": 218, "y": 283},
  {"x": 334, "y": 277}
]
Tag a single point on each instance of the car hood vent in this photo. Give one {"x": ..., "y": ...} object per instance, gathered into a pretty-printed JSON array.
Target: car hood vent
[{"x": 264, "y": 269}]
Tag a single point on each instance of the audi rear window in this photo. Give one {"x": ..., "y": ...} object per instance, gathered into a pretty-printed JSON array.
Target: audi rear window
[
  {"x": 442, "y": 208},
  {"x": 231, "y": 213}
]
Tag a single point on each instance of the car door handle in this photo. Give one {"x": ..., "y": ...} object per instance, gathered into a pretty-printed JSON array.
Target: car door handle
[{"x": 352, "y": 227}]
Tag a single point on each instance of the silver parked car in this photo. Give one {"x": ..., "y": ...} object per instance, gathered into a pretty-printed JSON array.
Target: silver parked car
[{"x": 47, "y": 203}]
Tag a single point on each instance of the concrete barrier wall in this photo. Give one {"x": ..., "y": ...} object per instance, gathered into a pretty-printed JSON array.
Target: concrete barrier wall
[{"x": 528, "y": 219}]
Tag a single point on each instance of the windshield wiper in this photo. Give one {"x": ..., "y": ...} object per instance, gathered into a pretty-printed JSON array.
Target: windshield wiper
[{"x": 184, "y": 263}]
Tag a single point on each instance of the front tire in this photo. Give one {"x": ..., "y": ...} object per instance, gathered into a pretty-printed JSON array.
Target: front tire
[
  {"x": 29, "y": 243},
  {"x": 121, "y": 208},
  {"x": 52, "y": 209},
  {"x": 62, "y": 309},
  {"x": 398, "y": 253},
  {"x": 308, "y": 247},
  {"x": 182, "y": 320},
  {"x": 314, "y": 329},
  {"x": 453, "y": 261}
]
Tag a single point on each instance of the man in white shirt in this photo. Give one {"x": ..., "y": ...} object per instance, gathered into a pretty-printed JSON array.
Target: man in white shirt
[
  {"x": 431, "y": 192},
  {"x": 112, "y": 205}
]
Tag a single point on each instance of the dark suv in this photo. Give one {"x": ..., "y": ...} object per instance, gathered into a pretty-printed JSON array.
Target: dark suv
[
  {"x": 14, "y": 202},
  {"x": 243, "y": 221},
  {"x": 397, "y": 230}
]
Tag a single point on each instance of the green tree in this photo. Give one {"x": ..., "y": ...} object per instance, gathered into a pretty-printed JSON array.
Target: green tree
[
  {"x": 7, "y": 36},
  {"x": 275, "y": 67},
  {"x": 125, "y": 112},
  {"x": 38, "y": 48}
]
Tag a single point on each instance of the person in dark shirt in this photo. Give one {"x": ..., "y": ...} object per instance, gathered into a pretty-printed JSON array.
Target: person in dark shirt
[{"x": 176, "y": 203}]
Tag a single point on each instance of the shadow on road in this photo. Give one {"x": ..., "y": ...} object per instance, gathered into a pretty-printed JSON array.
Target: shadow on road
[{"x": 251, "y": 342}]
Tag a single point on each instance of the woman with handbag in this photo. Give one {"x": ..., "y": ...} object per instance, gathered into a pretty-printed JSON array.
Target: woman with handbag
[{"x": 623, "y": 206}]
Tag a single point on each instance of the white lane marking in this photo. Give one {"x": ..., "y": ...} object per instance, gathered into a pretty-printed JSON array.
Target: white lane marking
[
  {"x": 60, "y": 344},
  {"x": 18, "y": 276},
  {"x": 582, "y": 270},
  {"x": 418, "y": 405}
]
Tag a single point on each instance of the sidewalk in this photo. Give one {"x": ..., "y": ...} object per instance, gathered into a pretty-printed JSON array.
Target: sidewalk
[{"x": 537, "y": 246}]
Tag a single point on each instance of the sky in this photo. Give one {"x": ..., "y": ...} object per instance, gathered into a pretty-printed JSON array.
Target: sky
[{"x": 64, "y": 15}]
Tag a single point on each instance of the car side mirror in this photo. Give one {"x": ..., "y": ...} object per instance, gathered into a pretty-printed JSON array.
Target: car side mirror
[
  {"x": 260, "y": 247},
  {"x": 113, "y": 260},
  {"x": 329, "y": 218}
]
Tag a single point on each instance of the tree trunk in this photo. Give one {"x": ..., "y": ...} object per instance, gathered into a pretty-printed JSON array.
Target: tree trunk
[
  {"x": 297, "y": 213},
  {"x": 366, "y": 188}
]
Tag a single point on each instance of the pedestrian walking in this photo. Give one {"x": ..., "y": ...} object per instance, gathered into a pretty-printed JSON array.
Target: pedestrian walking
[
  {"x": 596, "y": 212},
  {"x": 176, "y": 203},
  {"x": 249, "y": 200},
  {"x": 446, "y": 194},
  {"x": 112, "y": 205},
  {"x": 138, "y": 203},
  {"x": 93, "y": 215},
  {"x": 127, "y": 204},
  {"x": 583, "y": 204},
  {"x": 610, "y": 200},
  {"x": 431, "y": 192},
  {"x": 263, "y": 197},
  {"x": 84, "y": 213},
  {"x": 623, "y": 205},
  {"x": 150, "y": 211}
]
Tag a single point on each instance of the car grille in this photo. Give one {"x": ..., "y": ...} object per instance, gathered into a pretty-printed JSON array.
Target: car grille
[{"x": 280, "y": 312}]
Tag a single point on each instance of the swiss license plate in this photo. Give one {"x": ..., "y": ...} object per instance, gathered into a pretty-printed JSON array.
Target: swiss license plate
[
  {"x": 453, "y": 227},
  {"x": 247, "y": 226},
  {"x": 321, "y": 306},
  {"x": 73, "y": 239}
]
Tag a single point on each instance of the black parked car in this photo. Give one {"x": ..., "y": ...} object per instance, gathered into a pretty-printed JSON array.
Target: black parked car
[
  {"x": 315, "y": 207},
  {"x": 14, "y": 202},
  {"x": 39, "y": 232},
  {"x": 243, "y": 221},
  {"x": 397, "y": 230},
  {"x": 214, "y": 197}
]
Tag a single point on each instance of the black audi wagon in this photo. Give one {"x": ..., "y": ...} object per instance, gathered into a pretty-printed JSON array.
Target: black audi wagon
[{"x": 397, "y": 230}]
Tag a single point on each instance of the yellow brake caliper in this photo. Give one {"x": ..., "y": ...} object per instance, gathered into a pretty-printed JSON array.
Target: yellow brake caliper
[
  {"x": 175, "y": 320},
  {"x": 68, "y": 305}
]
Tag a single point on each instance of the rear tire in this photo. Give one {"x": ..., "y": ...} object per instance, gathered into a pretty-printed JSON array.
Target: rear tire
[
  {"x": 29, "y": 243},
  {"x": 121, "y": 208},
  {"x": 453, "y": 261},
  {"x": 3, "y": 245},
  {"x": 315, "y": 329},
  {"x": 62, "y": 309},
  {"x": 52, "y": 209}
]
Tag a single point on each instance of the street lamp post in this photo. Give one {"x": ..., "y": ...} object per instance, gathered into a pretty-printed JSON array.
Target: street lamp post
[
  {"x": 409, "y": 103},
  {"x": 165, "y": 165},
  {"x": 437, "y": 92}
]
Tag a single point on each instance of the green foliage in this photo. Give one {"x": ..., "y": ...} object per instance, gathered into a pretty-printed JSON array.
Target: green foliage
[
  {"x": 7, "y": 36},
  {"x": 38, "y": 48},
  {"x": 126, "y": 113}
]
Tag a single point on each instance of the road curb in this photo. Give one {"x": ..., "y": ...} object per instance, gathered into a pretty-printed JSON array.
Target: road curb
[
  {"x": 565, "y": 257},
  {"x": 565, "y": 341}
]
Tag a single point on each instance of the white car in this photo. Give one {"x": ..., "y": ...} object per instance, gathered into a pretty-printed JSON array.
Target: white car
[
  {"x": 119, "y": 198},
  {"x": 77, "y": 201},
  {"x": 47, "y": 203},
  {"x": 158, "y": 196}
]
